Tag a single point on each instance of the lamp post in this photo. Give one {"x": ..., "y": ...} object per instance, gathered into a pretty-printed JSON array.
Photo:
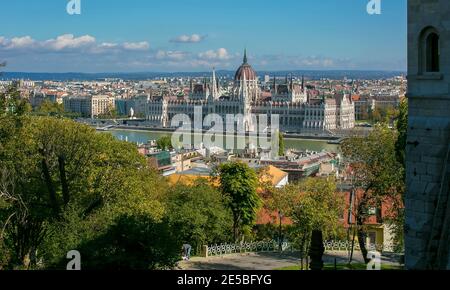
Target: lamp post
[{"x": 280, "y": 242}]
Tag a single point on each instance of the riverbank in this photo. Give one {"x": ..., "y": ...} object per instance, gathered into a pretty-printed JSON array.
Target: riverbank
[
  {"x": 143, "y": 136},
  {"x": 291, "y": 136}
]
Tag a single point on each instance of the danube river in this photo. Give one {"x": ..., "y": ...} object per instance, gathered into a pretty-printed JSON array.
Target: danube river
[{"x": 297, "y": 144}]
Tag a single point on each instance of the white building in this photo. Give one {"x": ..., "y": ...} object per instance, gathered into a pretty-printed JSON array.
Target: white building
[
  {"x": 289, "y": 100},
  {"x": 89, "y": 106}
]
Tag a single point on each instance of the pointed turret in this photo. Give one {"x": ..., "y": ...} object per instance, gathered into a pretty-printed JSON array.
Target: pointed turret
[
  {"x": 245, "y": 56},
  {"x": 214, "y": 86}
]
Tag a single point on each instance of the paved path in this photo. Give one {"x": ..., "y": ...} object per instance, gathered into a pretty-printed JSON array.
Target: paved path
[{"x": 263, "y": 261}]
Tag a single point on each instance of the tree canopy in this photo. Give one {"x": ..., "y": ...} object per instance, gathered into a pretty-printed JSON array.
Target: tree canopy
[
  {"x": 164, "y": 143},
  {"x": 238, "y": 183},
  {"x": 375, "y": 170}
]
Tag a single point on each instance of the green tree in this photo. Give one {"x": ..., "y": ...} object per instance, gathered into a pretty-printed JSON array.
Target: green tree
[
  {"x": 238, "y": 183},
  {"x": 52, "y": 167},
  {"x": 11, "y": 102},
  {"x": 132, "y": 242},
  {"x": 397, "y": 219},
  {"x": 376, "y": 115},
  {"x": 376, "y": 172},
  {"x": 312, "y": 204},
  {"x": 164, "y": 143},
  {"x": 402, "y": 129},
  {"x": 198, "y": 214},
  {"x": 51, "y": 108}
]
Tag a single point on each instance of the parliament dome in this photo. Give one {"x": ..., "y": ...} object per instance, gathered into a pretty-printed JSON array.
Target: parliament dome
[{"x": 245, "y": 70}]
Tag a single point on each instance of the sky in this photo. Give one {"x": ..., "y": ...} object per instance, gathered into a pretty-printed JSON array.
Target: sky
[{"x": 197, "y": 35}]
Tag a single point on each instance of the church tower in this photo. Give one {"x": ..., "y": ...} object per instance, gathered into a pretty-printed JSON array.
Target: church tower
[{"x": 427, "y": 202}]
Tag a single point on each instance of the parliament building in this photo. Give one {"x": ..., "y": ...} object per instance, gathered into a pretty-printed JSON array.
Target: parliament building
[{"x": 297, "y": 112}]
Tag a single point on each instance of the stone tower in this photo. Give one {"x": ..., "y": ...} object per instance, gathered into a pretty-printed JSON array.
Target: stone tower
[{"x": 428, "y": 148}]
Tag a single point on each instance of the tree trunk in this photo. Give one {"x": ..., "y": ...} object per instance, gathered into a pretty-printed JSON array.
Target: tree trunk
[
  {"x": 352, "y": 249},
  {"x": 235, "y": 227},
  {"x": 63, "y": 177},
  {"x": 360, "y": 220},
  {"x": 362, "y": 243},
  {"x": 50, "y": 187}
]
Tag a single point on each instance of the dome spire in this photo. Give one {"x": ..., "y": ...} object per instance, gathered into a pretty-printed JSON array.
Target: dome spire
[{"x": 245, "y": 55}]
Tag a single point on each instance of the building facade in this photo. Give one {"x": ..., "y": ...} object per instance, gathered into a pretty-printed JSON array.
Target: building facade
[
  {"x": 89, "y": 106},
  {"x": 427, "y": 229},
  {"x": 290, "y": 101}
]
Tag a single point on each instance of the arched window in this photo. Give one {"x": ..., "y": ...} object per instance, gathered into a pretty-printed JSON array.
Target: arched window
[
  {"x": 432, "y": 51},
  {"x": 429, "y": 51}
]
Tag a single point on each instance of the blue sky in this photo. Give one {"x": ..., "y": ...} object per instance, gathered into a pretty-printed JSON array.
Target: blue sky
[{"x": 196, "y": 35}]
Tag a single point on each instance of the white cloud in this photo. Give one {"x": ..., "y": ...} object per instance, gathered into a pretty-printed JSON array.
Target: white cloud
[
  {"x": 194, "y": 38},
  {"x": 69, "y": 52},
  {"x": 219, "y": 54},
  {"x": 108, "y": 45},
  {"x": 171, "y": 55},
  {"x": 16, "y": 42},
  {"x": 21, "y": 42},
  {"x": 68, "y": 41},
  {"x": 144, "y": 45}
]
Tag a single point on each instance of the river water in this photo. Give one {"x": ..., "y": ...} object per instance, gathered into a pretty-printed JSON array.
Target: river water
[{"x": 297, "y": 144}]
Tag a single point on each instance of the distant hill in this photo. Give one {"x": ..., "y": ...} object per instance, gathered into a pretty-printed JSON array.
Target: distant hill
[{"x": 316, "y": 74}]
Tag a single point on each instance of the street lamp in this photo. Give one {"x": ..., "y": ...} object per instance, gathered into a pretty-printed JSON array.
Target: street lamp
[{"x": 280, "y": 242}]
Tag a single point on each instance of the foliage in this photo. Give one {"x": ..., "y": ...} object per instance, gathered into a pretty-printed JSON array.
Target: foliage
[
  {"x": 402, "y": 129},
  {"x": 64, "y": 187},
  {"x": 58, "y": 176},
  {"x": 51, "y": 108},
  {"x": 11, "y": 103},
  {"x": 382, "y": 114},
  {"x": 164, "y": 143},
  {"x": 198, "y": 214},
  {"x": 238, "y": 183},
  {"x": 133, "y": 242},
  {"x": 376, "y": 171},
  {"x": 312, "y": 204},
  {"x": 397, "y": 218}
]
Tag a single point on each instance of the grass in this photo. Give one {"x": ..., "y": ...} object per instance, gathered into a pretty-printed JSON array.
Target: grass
[{"x": 355, "y": 266}]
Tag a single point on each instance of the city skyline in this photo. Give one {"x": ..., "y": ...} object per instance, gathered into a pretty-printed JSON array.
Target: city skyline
[{"x": 198, "y": 35}]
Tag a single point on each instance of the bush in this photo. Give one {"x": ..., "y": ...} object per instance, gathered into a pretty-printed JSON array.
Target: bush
[
  {"x": 198, "y": 215},
  {"x": 132, "y": 243}
]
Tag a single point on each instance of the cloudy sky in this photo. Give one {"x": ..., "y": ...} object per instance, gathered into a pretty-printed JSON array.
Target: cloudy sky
[{"x": 196, "y": 35}]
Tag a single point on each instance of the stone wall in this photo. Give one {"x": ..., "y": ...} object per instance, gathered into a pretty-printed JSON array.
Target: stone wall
[{"x": 427, "y": 206}]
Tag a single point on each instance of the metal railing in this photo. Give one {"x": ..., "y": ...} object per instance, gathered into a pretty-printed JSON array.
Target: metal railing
[{"x": 273, "y": 246}]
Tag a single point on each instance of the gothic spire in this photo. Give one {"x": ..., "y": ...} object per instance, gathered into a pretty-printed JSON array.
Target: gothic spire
[
  {"x": 214, "y": 84},
  {"x": 245, "y": 56}
]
